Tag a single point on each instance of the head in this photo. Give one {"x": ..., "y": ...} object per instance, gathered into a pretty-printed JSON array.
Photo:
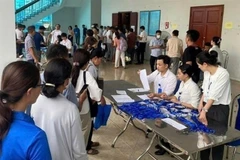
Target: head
[
  {"x": 117, "y": 34},
  {"x": 113, "y": 29},
  {"x": 130, "y": 30},
  {"x": 64, "y": 36},
  {"x": 142, "y": 28},
  {"x": 120, "y": 30},
  {"x": 175, "y": 33},
  {"x": 20, "y": 87},
  {"x": 83, "y": 26},
  {"x": 31, "y": 30},
  {"x": 59, "y": 38},
  {"x": 184, "y": 72},
  {"x": 101, "y": 27},
  {"x": 56, "y": 75},
  {"x": 104, "y": 27},
  {"x": 158, "y": 34},
  {"x": 192, "y": 36},
  {"x": 42, "y": 29},
  {"x": 69, "y": 27},
  {"x": 57, "y": 51},
  {"x": 216, "y": 41},
  {"x": 207, "y": 59},
  {"x": 20, "y": 26},
  {"x": 76, "y": 26},
  {"x": 89, "y": 33},
  {"x": 80, "y": 61},
  {"x": 96, "y": 56},
  {"x": 163, "y": 63},
  {"x": 207, "y": 46},
  {"x": 57, "y": 27}
]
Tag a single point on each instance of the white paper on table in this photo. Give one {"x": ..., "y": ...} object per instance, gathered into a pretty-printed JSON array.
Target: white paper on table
[
  {"x": 174, "y": 123},
  {"x": 144, "y": 79},
  {"x": 122, "y": 92},
  {"x": 143, "y": 97},
  {"x": 122, "y": 98},
  {"x": 136, "y": 90}
]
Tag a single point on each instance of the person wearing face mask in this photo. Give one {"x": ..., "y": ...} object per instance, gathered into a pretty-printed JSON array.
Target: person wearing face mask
[{"x": 156, "y": 46}]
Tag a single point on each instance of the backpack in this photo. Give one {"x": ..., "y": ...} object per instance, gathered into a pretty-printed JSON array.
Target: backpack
[{"x": 123, "y": 45}]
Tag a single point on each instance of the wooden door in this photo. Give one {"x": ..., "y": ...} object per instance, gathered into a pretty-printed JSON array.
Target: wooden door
[
  {"x": 134, "y": 20},
  {"x": 115, "y": 19},
  {"x": 208, "y": 21}
]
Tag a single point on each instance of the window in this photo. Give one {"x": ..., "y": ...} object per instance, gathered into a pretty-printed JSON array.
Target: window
[{"x": 151, "y": 21}]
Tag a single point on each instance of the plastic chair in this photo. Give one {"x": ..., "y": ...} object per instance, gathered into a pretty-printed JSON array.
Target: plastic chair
[
  {"x": 226, "y": 57},
  {"x": 234, "y": 110}
]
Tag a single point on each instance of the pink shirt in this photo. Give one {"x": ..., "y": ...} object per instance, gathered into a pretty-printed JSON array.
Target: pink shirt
[{"x": 117, "y": 43}]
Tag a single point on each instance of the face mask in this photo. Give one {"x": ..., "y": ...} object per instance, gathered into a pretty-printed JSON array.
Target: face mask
[{"x": 158, "y": 36}]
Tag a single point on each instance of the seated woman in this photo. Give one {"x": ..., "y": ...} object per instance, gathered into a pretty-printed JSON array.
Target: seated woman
[
  {"x": 57, "y": 116},
  {"x": 20, "y": 138},
  {"x": 188, "y": 94}
]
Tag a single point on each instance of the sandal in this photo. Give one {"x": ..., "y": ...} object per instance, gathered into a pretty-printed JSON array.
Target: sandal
[
  {"x": 95, "y": 144},
  {"x": 92, "y": 152}
]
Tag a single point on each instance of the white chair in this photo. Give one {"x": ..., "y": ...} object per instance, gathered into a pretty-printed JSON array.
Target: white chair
[{"x": 225, "y": 59}]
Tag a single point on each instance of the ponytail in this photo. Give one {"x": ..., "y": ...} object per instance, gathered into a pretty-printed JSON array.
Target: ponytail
[{"x": 75, "y": 75}]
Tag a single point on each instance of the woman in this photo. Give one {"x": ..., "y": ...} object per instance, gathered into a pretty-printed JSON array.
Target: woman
[
  {"x": 119, "y": 52},
  {"x": 188, "y": 94},
  {"x": 90, "y": 41},
  {"x": 57, "y": 116},
  {"x": 80, "y": 77},
  {"x": 214, "y": 104},
  {"x": 216, "y": 41},
  {"x": 70, "y": 34},
  {"x": 20, "y": 138}
]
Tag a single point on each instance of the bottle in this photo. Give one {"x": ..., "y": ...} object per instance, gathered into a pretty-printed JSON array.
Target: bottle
[{"x": 159, "y": 88}]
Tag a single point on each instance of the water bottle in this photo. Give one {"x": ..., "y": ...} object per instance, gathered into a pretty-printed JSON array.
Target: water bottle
[{"x": 159, "y": 88}]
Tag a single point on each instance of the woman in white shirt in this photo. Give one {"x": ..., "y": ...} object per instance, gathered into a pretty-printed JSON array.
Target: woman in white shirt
[
  {"x": 57, "y": 116},
  {"x": 188, "y": 94},
  {"x": 80, "y": 62},
  {"x": 216, "y": 41},
  {"x": 214, "y": 104}
]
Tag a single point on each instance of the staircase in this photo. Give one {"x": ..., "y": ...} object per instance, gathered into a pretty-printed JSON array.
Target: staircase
[{"x": 37, "y": 11}]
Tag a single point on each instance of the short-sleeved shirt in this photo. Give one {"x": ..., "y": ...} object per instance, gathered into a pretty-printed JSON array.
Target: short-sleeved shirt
[
  {"x": 55, "y": 33},
  {"x": 143, "y": 35},
  {"x": 131, "y": 40},
  {"x": 76, "y": 31},
  {"x": 93, "y": 70},
  {"x": 109, "y": 33},
  {"x": 174, "y": 45},
  {"x": 156, "y": 42},
  {"x": 38, "y": 39},
  {"x": 29, "y": 43},
  {"x": 68, "y": 44}
]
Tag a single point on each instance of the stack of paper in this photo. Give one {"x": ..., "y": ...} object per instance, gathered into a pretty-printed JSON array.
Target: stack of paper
[
  {"x": 144, "y": 79},
  {"x": 173, "y": 123},
  {"x": 122, "y": 92},
  {"x": 136, "y": 90},
  {"x": 143, "y": 97},
  {"x": 122, "y": 98}
]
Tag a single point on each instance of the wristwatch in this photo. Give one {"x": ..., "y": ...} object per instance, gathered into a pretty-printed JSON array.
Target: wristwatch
[{"x": 205, "y": 110}]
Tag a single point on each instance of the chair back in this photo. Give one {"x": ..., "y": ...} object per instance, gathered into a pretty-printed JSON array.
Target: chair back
[
  {"x": 225, "y": 59},
  {"x": 235, "y": 113}
]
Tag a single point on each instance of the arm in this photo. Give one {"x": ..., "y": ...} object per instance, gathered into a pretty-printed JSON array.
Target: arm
[
  {"x": 167, "y": 48},
  {"x": 33, "y": 54},
  {"x": 49, "y": 36},
  {"x": 94, "y": 90}
]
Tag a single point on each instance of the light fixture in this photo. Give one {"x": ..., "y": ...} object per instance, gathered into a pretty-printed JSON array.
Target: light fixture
[{"x": 46, "y": 25}]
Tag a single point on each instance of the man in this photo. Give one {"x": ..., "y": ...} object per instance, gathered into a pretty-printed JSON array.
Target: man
[
  {"x": 38, "y": 40},
  {"x": 54, "y": 34},
  {"x": 100, "y": 31},
  {"x": 84, "y": 32},
  {"x": 109, "y": 54},
  {"x": 30, "y": 48},
  {"x": 77, "y": 34},
  {"x": 41, "y": 31},
  {"x": 190, "y": 53},
  {"x": 67, "y": 43},
  {"x": 131, "y": 40},
  {"x": 142, "y": 38},
  {"x": 104, "y": 34},
  {"x": 175, "y": 50},
  {"x": 19, "y": 38},
  {"x": 156, "y": 45}
]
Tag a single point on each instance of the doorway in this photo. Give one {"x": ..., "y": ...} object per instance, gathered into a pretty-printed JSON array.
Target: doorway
[{"x": 208, "y": 21}]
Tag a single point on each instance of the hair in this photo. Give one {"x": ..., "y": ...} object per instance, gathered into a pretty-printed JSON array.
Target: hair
[
  {"x": 142, "y": 27},
  {"x": 208, "y": 44},
  {"x": 59, "y": 37},
  {"x": 117, "y": 34},
  {"x": 56, "y": 51},
  {"x": 96, "y": 53},
  {"x": 17, "y": 78},
  {"x": 209, "y": 58},
  {"x": 166, "y": 59},
  {"x": 56, "y": 72},
  {"x": 217, "y": 40},
  {"x": 58, "y": 25},
  {"x": 70, "y": 27},
  {"x": 121, "y": 29},
  {"x": 101, "y": 27},
  {"x": 175, "y": 32},
  {"x": 64, "y": 35},
  {"x": 31, "y": 29},
  {"x": 193, "y": 35},
  {"x": 80, "y": 58},
  {"x": 76, "y": 26},
  {"x": 158, "y": 31},
  {"x": 186, "y": 69},
  {"x": 131, "y": 30},
  {"x": 89, "y": 32}
]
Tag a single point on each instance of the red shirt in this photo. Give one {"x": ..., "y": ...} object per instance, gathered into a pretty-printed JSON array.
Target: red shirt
[{"x": 131, "y": 40}]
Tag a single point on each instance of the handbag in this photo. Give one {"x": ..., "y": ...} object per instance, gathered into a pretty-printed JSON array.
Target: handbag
[{"x": 102, "y": 116}]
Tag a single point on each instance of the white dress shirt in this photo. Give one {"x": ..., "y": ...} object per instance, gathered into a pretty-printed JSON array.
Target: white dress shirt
[
  {"x": 19, "y": 34},
  {"x": 217, "y": 87},
  {"x": 156, "y": 42},
  {"x": 60, "y": 119},
  {"x": 54, "y": 34},
  {"x": 68, "y": 45},
  {"x": 94, "y": 90},
  {"x": 220, "y": 54},
  {"x": 168, "y": 81},
  {"x": 143, "y": 35},
  {"x": 109, "y": 33},
  {"x": 189, "y": 92}
]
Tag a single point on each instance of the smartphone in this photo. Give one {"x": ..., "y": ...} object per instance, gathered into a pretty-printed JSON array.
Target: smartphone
[{"x": 83, "y": 88}]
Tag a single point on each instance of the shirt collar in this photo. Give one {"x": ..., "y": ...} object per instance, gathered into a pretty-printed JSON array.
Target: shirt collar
[
  {"x": 166, "y": 74},
  {"x": 91, "y": 63},
  {"x": 188, "y": 81},
  {"x": 22, "y": 117}
]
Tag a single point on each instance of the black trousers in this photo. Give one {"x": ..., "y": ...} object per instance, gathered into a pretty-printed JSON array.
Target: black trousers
[
  {"x": 217, "y": 118},
  {"x": 77, "y": 39},
  {"x": 89, "y": 144},
  {"x": 131, "y": 52},
  {"x": 140, "y": 52},
  {"x": 152, "y": 63}
]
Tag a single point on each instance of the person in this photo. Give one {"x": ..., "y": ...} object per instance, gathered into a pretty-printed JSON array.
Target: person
[
  {"x": 77, "y": 34},
  {"x": 207, "y": 46},
  {"x": 122, "y": 33},
  {"x": 175, "y": 50},
  {"x": 38, "y": 40},
  {"x": 109, "y": 39},
  {"x": 20, "y": 138},
  {"x": 190, "y": 53},
  {"x": 54, "y": 34},
  {"x": 142, "y": 45},
  {"x": 215, "y": 42},
  {"x": 100, "y": 34},
  {"x": 57, "y": 116},
  {"x": 156, "y": 45},
  {"x": 79, "y": 78},
  {"x": 104, "y": 34},
  {"x": 214, "y": 104},
  {"x": 164, "y": 80},
  {"x": 120, "y": 53},
  {"x": 30, "y": 47},
  {"x": 84, "y": 33},
  {"x": 188, "y": 94},
  {"x": 131, "y": 41},
  {"x": 66, "y": 42},
  {"x": 95, "y": 34},
  {"x": 90, "y": 41},
  {"x": 20, "y": 39},
  {"x": 70, "y": 34}
]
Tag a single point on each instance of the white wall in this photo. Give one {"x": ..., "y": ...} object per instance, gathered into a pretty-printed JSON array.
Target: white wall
[
  {"x": 7, "y": 43},
  {"x": 178, "y": 12},
  {"x": 72, "y": 3},
  {"x": 96, "y": 12}
]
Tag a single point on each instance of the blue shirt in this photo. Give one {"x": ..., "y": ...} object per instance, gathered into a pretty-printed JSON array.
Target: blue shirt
[
  {"x": 76, "y": 31},
  {"x": 38, "y": 39},
  {"x": 25, "y": 141}
]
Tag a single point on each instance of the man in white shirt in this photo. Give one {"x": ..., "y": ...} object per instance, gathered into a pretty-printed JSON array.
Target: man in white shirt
[
  {"x": 19, "y": 38},
  {"x": 142, "y": 38},
  {"x": 54, "y": 34},
  {"x": 109, "y": 38},
  {"x": 66, "y": 42},
  {"x": 175, "y": 50}
]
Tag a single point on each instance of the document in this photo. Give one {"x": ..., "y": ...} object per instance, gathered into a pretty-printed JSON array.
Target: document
[
  {"x": 122, "y": 92},
  {"x": 174, "y": 123},
  {"x": 144, "y": 80},
  {"x": 136, "y": 90},
  {"x": 143, "y": 97},
  {"x": 122, "y": 98}
]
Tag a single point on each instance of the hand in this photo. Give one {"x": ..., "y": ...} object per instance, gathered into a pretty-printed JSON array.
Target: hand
[
  {"x": 36, "y": 61},
  {"x": 200, "y": 106},
  {"x": 202, "y": 118},
  {"x": 103, "y": 101},
  {"x": 163, "y": 96},
  {"x": 151, "y": 95}
]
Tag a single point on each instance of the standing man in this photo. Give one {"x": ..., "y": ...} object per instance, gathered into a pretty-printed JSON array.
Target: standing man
[
  {"x": 19, "y": 38},
  {"x": 66, "y": 42},
  {"x": 142, "y": 38},
  {"x": 156, "y": 45},
  {"x": 30, "y": 47},
  {"x": 175, "y": 50},
  {"x": 38, "y": 40},
  {"x": 84, "y": 32},
  {"x": 108, "y": 55},
  {"x": 54, "y": 34},
  {"x": 131, "y": 40},
  {"x": 77, "y": 34}
]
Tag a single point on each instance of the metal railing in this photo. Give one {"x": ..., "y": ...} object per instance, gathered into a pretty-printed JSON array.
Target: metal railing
[{"x": 34, "y": 9}]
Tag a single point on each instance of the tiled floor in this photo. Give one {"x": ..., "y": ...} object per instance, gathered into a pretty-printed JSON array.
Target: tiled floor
[{"x": 133, "y": 142}]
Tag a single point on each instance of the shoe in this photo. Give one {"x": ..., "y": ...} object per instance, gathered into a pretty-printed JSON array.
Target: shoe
[
  {"x": 92, "y": 152},
  {"x": 149, "y": 130},
  {"x": 160, "y": 152},
  {"x": 95, "y": 144},
  {"x": 158, "y": 146}
]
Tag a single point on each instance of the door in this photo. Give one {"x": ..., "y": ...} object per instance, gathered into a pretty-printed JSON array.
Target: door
[
  {"x": 134, "y": 21},
  {"x": 115, "y": 19},
  {"x": 208, "y": 21}
]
